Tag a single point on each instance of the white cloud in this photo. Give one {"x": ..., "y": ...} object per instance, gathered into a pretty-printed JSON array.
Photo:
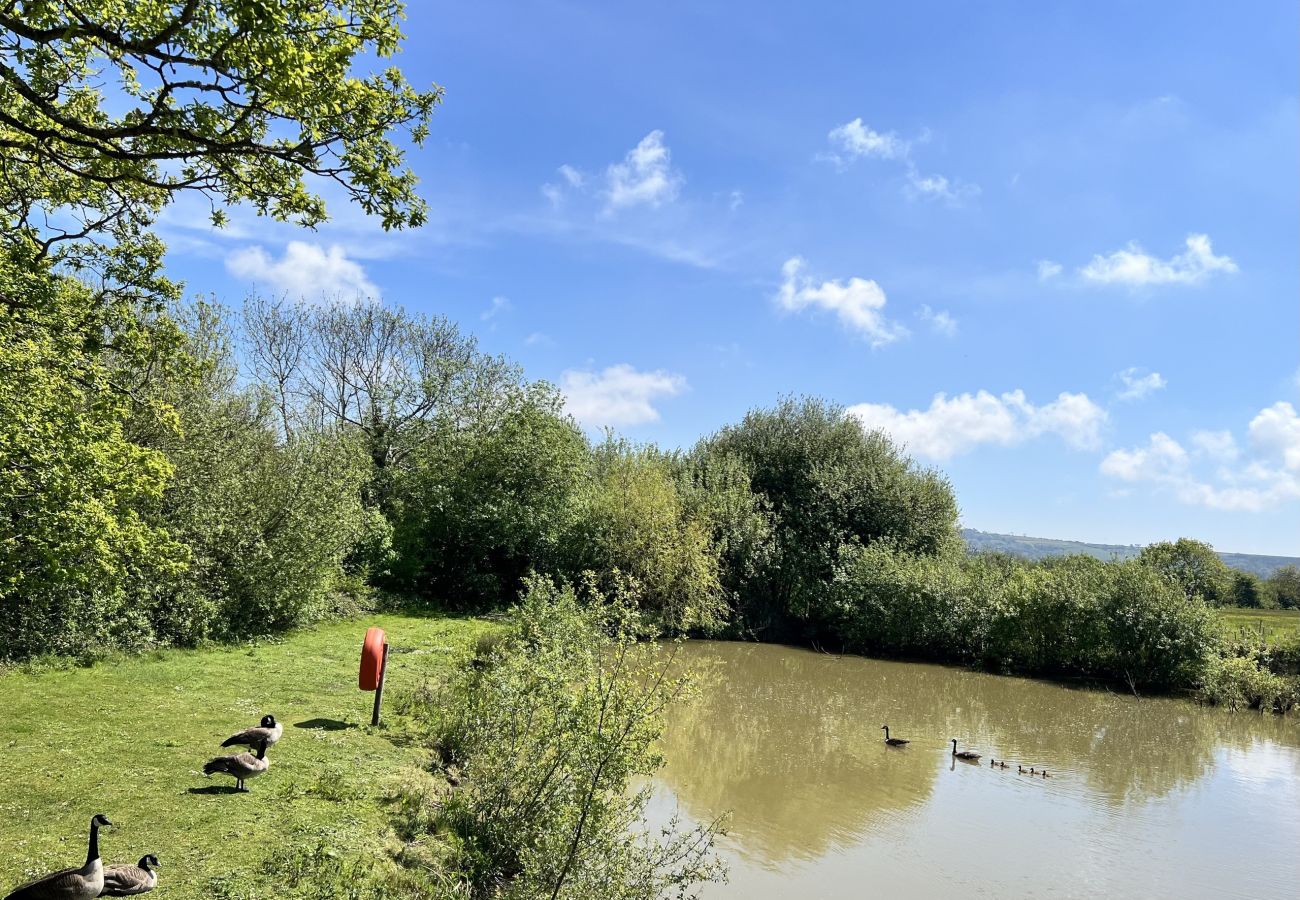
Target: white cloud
[
  {"x": 941, "y": 321},
  {"x": 1270, "y": 478},
  {"x": 305, "y": 271},
  {"x": 1047, "y": 270},
  {"x": 1136, "y": 386},
  {"x": 617, "y": 395},
  {"x": 856, "y": 140},
  {"x": 645, "y": 176},
  {"x": 572, "y": 175},
  {"x": 951, "y": 426},
  {"x": 1276, "y": 431},
  {"x": 859, "y": 304},
  {"x": 938, "y": 187},
  {"x": 1134, "y": 267},
  {"x": 1217, "y": 445},
  {"x": 498, "y": 306}
]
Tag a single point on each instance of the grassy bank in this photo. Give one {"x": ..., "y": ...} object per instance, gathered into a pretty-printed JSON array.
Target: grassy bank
[
  {"x": 1269, "y": 623},
  {"x": 129, "y": 738}
]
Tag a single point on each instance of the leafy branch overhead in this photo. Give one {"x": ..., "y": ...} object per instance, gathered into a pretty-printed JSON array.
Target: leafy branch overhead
[{"x": 107, "y": 108}]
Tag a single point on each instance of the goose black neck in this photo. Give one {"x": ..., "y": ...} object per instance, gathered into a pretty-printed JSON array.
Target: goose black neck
[
  {"x": 954, "y": 745},
  {"x": 261, "y": 750},
  {"x": 92, "y": 852},
  {"x": 144, "y": 863}
]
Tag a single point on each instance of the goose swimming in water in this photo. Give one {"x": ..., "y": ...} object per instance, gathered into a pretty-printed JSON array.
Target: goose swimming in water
[
  {"x": 967, "y": 755},
  {"x": 893, "y": 742},
  {"x": 77, "y": 883}
]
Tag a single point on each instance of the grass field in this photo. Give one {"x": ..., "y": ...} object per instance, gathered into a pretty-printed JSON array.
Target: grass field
[
  {"x": 129, "y": 737},
  {"x": 1271, "y": 622}
]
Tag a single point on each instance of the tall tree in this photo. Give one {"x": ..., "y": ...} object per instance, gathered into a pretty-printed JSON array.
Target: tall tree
[
  {"x": 108, "y": 111},
  {"x": 1193, "y": 566}
]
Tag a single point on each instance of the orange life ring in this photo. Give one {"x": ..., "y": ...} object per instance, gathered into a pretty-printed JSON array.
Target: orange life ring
[{"x": 372, "y": 659}]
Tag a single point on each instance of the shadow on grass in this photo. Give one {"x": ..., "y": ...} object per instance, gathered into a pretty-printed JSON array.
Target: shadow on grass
[
  {"x": 325, "y": 724},
  {"x": 213, "y": 789}
]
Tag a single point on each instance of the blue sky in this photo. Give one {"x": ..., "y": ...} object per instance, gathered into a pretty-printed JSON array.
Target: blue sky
[{"x": 1050, "y": 247}]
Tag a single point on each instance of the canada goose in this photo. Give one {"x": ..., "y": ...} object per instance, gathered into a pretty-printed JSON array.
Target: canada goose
[
  {"x": 77, "y": 883},
  {"x": 893, "y": 742},
  {"x": 1020, "y": 769},
  {"x": 241, "y": 766},
  {"x": 126, "y": 881},
  {"x": 1044, "y": 774},
  {"x": 968, "y": 755},
  {"x": 1002, "y": 764},
  {"x": 269, "y": 731}
]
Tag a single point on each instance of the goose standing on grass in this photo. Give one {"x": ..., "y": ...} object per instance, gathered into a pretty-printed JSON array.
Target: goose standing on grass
[
  {"x": 269, "y": 731},
  {"x": 241, "y": 766},
  {"x": 967, "y": 755},
  {"x": 892, "y": 742},
  {"x": 127, "y": 881},
  {"x": 77, "y": 883}
]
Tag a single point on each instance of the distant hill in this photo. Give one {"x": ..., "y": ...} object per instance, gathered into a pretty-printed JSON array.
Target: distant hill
[{"x": 1039, "y": 548}]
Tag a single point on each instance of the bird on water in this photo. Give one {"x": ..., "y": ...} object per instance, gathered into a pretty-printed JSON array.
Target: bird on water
[
  {"x": 968, "y": 755},
  {"x": 892, "y": 741}
]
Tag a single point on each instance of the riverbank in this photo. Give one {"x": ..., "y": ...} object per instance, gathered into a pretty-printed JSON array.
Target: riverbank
[{"x": 128, "y": 737}]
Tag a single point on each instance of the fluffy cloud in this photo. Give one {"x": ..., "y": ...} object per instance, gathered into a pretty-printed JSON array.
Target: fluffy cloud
[
  {"x": 956, "y": 425},
  {"x": 645, "y": 176},
  {"x": 1271, "y": 476},
  {"x": 859, "y": 304},
  {"x": 1135, "y": 386},
  {"x": 305, "y": 272},
  {"x": 1047, "y": 270},
  {"x": 1134, "y": 267},
  {"x": 855, "y": 140},
  {"x": 617, "y": 395},
  {"x": 941, "y": 321}
]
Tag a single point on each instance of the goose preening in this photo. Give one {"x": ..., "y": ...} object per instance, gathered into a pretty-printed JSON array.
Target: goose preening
[
  {"x": 78, "y": 883},
  {"x": 892, "y": 742},
  {"x": 127, "y": 881},
  {"x": 269, "y": 731},
  {"x": 241, "y": 766},
  {"x": 968, "y": 755}
]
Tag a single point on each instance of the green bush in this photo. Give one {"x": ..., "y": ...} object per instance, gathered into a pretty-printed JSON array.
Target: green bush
[
  {"x": 829, "y": 486},
  {"x": 633, "y": 522},
  {"x": 480, "y": 505},
  {"x": 551, "y": 739},
  {"x": 1242, "y": 682}
]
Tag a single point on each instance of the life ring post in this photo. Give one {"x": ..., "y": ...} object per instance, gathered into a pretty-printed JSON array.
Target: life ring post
[
  {"x": 374, "y": 667},
  {"x": 379, "y": 690}
]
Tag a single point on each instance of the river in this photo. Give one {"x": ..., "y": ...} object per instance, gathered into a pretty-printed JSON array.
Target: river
[{"x": 1145, "y": 797}]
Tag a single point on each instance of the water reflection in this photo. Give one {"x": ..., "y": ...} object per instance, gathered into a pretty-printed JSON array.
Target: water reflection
[{"x": 789, "y": 741}]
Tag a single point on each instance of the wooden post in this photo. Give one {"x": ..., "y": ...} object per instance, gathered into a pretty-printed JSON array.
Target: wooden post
[{"x": 379, "y": 691}]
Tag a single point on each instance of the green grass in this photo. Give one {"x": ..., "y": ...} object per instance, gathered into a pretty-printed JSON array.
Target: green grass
[
  {"x": 1272, "y": 623},
  {"x": 128, "y": 737}
]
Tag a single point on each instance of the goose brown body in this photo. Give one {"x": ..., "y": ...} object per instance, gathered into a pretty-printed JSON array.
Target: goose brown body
[
  {"x": 241, "y": 766},
  {"x": 968, "y": 755},
  {"x": 127, "y": 881},
  {"x": 82, "y": 882},
  {"x": 269, "y": 731}
]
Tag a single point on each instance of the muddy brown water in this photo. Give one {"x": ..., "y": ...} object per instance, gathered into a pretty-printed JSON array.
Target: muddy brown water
[{"x": 1146, "y": 797}]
